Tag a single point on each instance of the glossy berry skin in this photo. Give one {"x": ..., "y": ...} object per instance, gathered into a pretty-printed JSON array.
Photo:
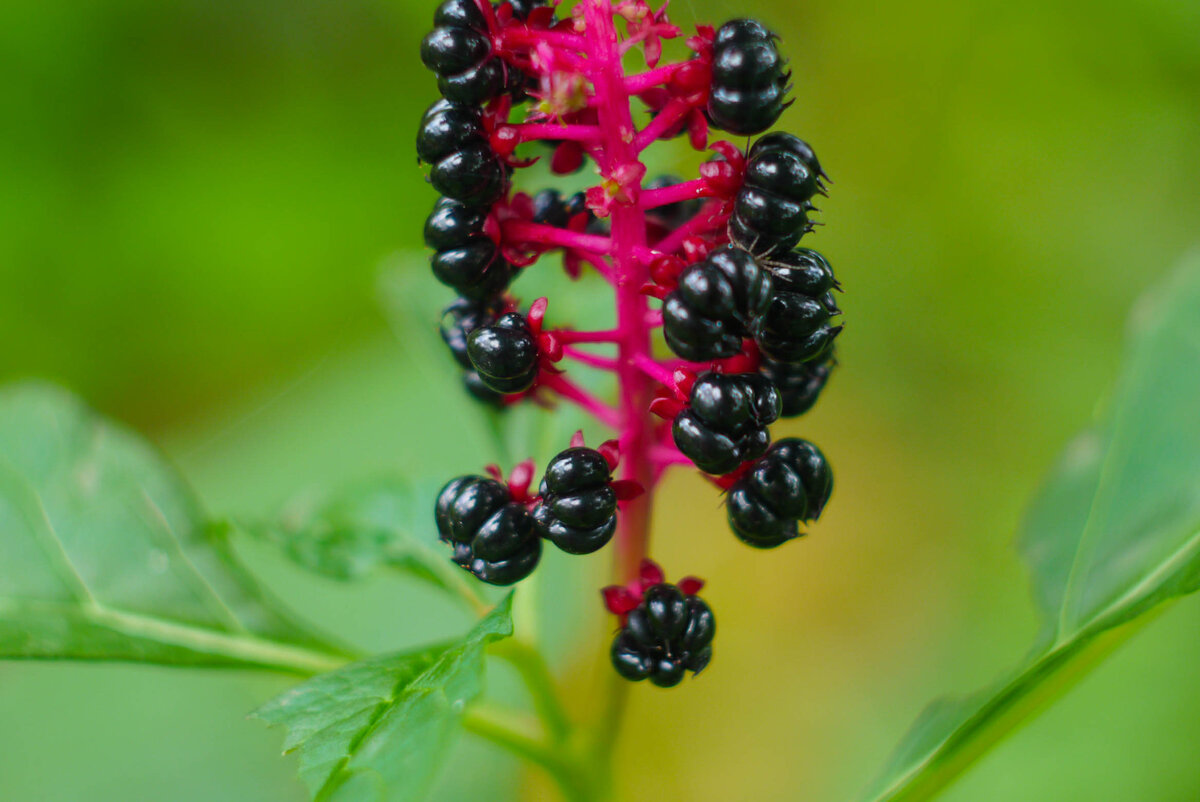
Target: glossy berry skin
[
  {"x": 799, "y": 384},
  {"x": 523, "y": 8},
  {"x": 550, "y": 208},
  {"x": 505, "y": 354},
  {"x": 492, "y": 535},
  {"x": 725, "y": 422},
  {"x": 666, "y": 635},
  {"x": 578, "y": 508},
  {"x": 459, "y": 319},
  {"x": 464, "y": 167},
  {"x": 459, "y": 51},
  {"x": 464, "y": 257},
  {"x": 794, "y": 326},
  {"x": 789, "y": 484},
  {"x": 715, "y": 305},
  {"x": 749, "y": 79},
  {"x": 771, "y": 209}
]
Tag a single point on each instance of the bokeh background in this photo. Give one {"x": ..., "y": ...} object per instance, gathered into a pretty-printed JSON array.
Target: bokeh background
[{"x": 198, "y": 199}]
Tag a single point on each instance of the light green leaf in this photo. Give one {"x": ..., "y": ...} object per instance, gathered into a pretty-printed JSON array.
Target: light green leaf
[
  {"x": 358, "y": 530},
  {"x": 377, "y": 729},
  {"x": 105, "y": 554},
  {"x": 1113, "y": 535}
]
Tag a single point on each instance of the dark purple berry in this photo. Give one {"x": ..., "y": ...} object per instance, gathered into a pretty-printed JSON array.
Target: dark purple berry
[
  {"x": 799, "y": 384},
  {"x": 492, "y": 535},
  {"x": 578, "y": 508},
  {"x": 452, "y": 140},
  {"x": 749, "y": 80},
  {"x": 505, "y": 354},
  {"x": 459, "y": 51},
  {"x": 666, "y": 635},
  {"x": 725, "y": 422},
  {"x": 715, "y": 305},
  {"x": 465, "y": 258},
  {"x": 459, "y": 319},
  {"x": 791, "y": 483},
  {"x": 771, "y": 210},
  {"x": 795, "y": 325}
]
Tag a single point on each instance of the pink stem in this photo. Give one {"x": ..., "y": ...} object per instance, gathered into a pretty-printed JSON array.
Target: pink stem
[
  {"x": 683, "y": 191},
  {"x": 666, "y": 119},
  {"x": 664, "y": 456},
  {"x": 572, "y": 392},
  {"x": 654, "y": 318},
  {"x": 653, "y": 369},
  {"x": 518, "y": 39},
  {"x": 650, "y": 78},
  {"x": 527, "y": 132},
  {"x": 522, "y": 231},
  {"x": 594, "y": 360},
  {"x": 567, "y": 336},
  {"x": 706, "y": 219},
  {"x": 628, "y": 235},
  {"x": 597, "y": 262}
]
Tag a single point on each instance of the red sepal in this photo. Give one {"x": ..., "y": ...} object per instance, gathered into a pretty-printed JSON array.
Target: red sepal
[
  {"x": 611, "y": 451},
  {"x": 567, "y": 158},
  {"x": 619, "y": 600},
  {"x": 493, "y": 470},
  {"x": 654, "y": 291},
  {"x": 537, "y": 313},
  {"x": 577, "y": 439},
  {"x": 650, "y": 574},
  {"x": 666, "y": 408},
  {"x": 520, "y": 479},
  {"x": 690, "y": 585}
]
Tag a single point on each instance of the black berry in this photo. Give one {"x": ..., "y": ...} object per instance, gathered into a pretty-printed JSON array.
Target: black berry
[
  {"x": 459, "y": 51},
  {"x": 716, "y": 303},
  {"x": 523, "y": 8},
  {"x": 725, "y": 422},
  {"x": 464, "y": 166},
  {"x": 771, "y": 210},
  {"x": 492, "y": 535},
  {"x": 464, "y": 257},
  {"x": 749, "y": 79},
  {"x": 799, "y": 384},
  {"x": 789, "y": 484},
  {"x": 794, "y": 326},
  {"x": 667, "y": 634},
  {"x": 578, "y": 510},
  {"x": 459, "y": 319},
  {"x": 505, "y": 354}
]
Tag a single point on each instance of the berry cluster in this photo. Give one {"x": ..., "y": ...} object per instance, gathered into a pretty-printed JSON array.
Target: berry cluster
[{"x": 746, "y": 313}]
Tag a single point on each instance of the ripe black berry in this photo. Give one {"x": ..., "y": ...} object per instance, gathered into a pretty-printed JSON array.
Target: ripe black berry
[
  {"x": 459, "y": 51},
  {"x": 789, "y": 484},
  {"x": 492, "y": 535},
  {"x": 464, "y": 257},
  {"x": 794, "y": 326},
  {"x": 505, "y": 354},
  {"x": 578, "y": 510},
  {"x": 522, "y": 8},
  {"x": 725, "y": 422},
  {"x": 749, "y": 82},
  {"x": 465, "y": 167},
  {"x": 664, "y": 636},
  {"x": 717, "y": 301},
  {"x": 799, "y": 384},
  {"x": 771, "y": 210},
  {"x": 459, "y": 319}
]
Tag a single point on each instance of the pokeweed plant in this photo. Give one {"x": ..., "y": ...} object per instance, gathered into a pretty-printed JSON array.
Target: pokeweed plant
[{"x": 106, "y": 555}]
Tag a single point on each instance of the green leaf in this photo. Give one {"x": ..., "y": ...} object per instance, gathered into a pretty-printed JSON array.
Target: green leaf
[
  {"x": 358, "y": 530},
  {"x": 377, "y": 729},
  {"x": 105, "y": 554},
  {"x": 1113, "y": 535}
]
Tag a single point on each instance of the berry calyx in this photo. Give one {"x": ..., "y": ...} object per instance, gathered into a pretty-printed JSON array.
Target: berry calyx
[{"x": 667, "y": 633}]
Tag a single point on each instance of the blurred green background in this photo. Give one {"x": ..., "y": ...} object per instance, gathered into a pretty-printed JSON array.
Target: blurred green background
[{"x": 197, "y": 197}]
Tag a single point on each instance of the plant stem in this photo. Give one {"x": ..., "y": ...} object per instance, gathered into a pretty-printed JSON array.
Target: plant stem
[
  {"x": 530, "y": 664},
  {"x": 507, "y": 730}
]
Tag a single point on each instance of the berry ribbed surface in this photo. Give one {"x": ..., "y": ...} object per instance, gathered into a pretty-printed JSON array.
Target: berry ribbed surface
[
  {"x": 504, "y": 354},
  {"x": 795, "y": 325},
  {"x": 464, "y": 167},
  {"x": 771, "y": 210},
  {"x": 717, "y": 301},
  {"x": 791, "y": 483},
  {"x": 464, "y": 257},
  {"x": 578, "y": 507},
  {"x": 459, "y": 51},
  {"x": 725, "y": 423},
  {"x": 492, "y": 535},
  {"x": 799, "y": 384},
  {"x": 749, "y": 79},
  {"x": 668, "y": 634}
]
